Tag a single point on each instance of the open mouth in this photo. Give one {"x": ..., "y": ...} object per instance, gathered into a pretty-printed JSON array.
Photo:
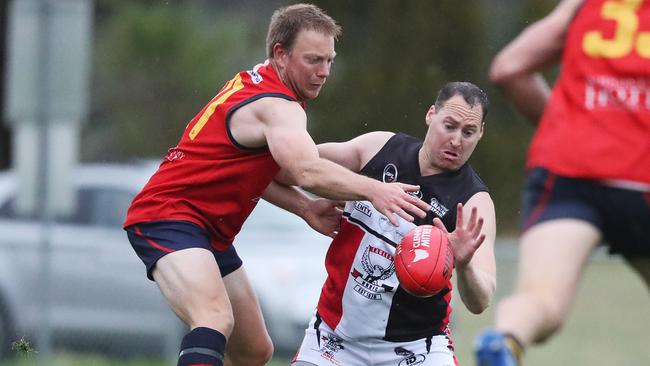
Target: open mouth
[{"x": 450, "y": 155}]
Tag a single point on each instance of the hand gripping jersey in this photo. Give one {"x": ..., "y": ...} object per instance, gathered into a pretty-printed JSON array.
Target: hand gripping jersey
[
  {"x": 597, "y": 122},
  {"x": 208, "y": 178},
  {"x": 361, "y": 297}
]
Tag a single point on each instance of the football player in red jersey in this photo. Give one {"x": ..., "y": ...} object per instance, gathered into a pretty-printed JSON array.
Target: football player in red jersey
[
  {"x": 182, "y": 224},
  {"x": 588, "y": 165}
]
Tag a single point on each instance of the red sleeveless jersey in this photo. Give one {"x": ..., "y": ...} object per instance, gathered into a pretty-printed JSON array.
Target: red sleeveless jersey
[
  {"x": 597, "y": 122},
  {"x": 208, "y": 178}
]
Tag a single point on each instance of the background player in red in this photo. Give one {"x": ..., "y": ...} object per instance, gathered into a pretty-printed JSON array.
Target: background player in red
[
  {"x": 183, "y": 222},
  {"x": 363, "y": 316},
  {"x": 588, "y": 178}
]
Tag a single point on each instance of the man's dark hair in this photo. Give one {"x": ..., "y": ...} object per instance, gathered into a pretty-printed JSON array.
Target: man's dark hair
[
  {"x": 288, "y": 21},
  {"x": 471, "y": 93}
]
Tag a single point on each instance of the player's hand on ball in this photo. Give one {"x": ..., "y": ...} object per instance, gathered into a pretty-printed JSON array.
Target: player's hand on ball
[{"x": 466, "y": 238}]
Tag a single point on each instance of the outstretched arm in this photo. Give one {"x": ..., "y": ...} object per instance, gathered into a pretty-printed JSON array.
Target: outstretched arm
[
  {"x": 295, "y": 151},
  {"x": 516, "y": 68},
  {"x": 473, "y": 245},
  {"x": 322, "y": 215}
]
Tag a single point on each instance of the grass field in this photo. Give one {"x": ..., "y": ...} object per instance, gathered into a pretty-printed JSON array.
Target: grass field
[{"x": 609, "y": 325}]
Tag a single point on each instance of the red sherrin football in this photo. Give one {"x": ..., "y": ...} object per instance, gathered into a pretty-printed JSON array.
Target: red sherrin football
[{"x": 424, "y": 261}]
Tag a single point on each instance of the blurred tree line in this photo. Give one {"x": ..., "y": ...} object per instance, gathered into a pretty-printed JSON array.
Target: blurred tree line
[{"x": 156, "y": 63}]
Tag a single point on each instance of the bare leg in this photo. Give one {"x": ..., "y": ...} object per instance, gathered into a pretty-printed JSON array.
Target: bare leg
[
  {"x": 249, "y": 344},
  {"x": 551, "y": 260},
  {"x": 191, "y": 282}
]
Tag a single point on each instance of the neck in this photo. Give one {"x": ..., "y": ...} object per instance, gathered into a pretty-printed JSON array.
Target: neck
[
  {"x": 426, "y": 163},
  {"x": 283, "y": 78},
  {"x": 279, "y": 72}
]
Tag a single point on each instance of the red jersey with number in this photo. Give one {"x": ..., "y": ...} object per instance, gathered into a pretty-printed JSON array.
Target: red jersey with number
[
  {"x": 597, "y": 122},
  {"x": 208, "y": 178}
]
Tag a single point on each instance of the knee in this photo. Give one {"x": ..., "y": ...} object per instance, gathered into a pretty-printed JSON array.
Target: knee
[
  {"x": 554, "y": 316},
  {"x": 531, "y": 317},
  {"x": 215, "y": 317},
  {"x": 256, "y": 354}
]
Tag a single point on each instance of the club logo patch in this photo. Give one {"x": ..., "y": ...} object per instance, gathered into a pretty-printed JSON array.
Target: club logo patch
[
  {"x": 256, "y": 78},
  {"x": 417, "y": 194},
  {"x": 378, "y": 265},
  {"x": 390, "y": 173}
]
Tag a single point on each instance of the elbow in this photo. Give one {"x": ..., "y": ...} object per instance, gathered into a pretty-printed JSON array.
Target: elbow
[
  {"x": 478, "y": 307},
  {"x": 304, "y": 177},
  {"x": 503, "y": 70},
  {"x": 483, "y": 300}
]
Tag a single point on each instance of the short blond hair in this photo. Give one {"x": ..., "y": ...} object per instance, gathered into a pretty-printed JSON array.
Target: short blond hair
[{"x": 288, "y": 21}]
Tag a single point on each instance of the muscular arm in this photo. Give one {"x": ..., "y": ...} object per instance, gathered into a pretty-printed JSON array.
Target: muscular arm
[
  {"x": 294, "y": 150},
  {"x": 516, "y": 68},
  {"x": 473, "y": 244}
]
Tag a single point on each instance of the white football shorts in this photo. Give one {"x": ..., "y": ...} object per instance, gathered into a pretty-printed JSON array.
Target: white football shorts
[{"x": 323, "y": 347}]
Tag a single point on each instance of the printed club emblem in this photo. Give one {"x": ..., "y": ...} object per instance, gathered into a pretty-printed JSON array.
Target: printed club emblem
[
  {"x": 390, "y": 173},
  {"x": 378, "y": 265}
]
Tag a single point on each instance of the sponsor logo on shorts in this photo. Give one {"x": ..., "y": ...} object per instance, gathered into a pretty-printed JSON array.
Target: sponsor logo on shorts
[
  {"x": 390, "y": 173},
  {"x": 410, "y": 359},
  {"x": 330, "y": 346},
  {"x": 378, "y": 265}
]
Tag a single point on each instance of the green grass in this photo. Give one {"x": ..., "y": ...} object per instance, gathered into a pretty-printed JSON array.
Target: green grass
[
  {"x": 91, "y": 360},
  {"x": 608, "y": 326}
]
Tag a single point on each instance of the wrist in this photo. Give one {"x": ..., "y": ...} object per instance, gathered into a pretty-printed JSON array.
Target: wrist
[{"x": 369, "y": 187}]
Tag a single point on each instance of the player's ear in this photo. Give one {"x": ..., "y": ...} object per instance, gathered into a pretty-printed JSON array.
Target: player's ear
[
  {"x": 429, "y": 117},
  {"x": 480, "y": 132},
  {"x": 279, "y": 54}
]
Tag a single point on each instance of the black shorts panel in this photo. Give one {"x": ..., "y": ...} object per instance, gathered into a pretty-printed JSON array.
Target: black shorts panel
[
  {"x": 622, "y": 215},
  {"x": 152, "y": 240}
]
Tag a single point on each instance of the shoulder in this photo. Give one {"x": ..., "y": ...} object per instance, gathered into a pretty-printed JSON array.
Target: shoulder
[
  {"x": 376, "y": 138},
  {"x": 474, "y": 178},
  {"x": 271, "y": 109},
  {"x": 369, "y": 144},
  {"x": 484, "y": 204}
]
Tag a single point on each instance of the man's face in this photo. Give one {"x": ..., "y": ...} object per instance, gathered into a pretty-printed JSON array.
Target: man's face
[
  {"x": 454, "y": 130},
  {"x": 306, "y": 67}
]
